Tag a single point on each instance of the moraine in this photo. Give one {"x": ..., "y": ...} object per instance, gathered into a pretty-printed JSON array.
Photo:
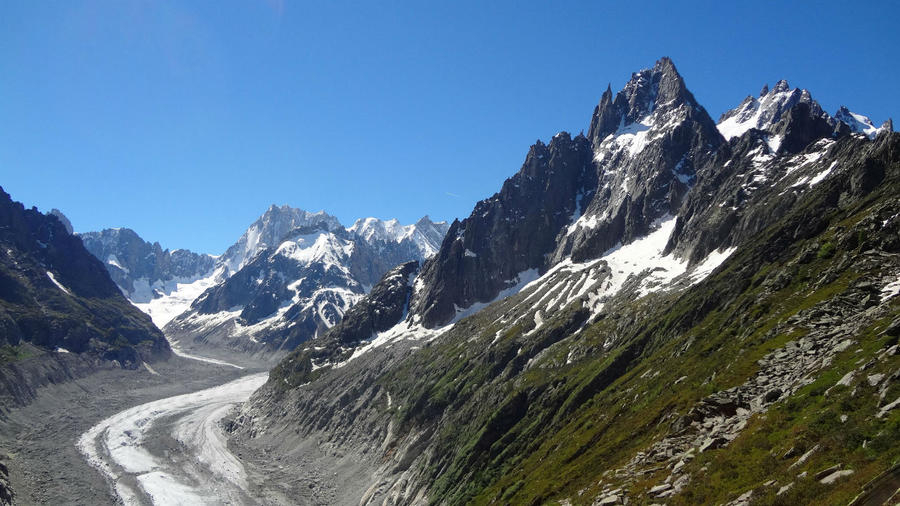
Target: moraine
[{"x": 172, "y": 450}]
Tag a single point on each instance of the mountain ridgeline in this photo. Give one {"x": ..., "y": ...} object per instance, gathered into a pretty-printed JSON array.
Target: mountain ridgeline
[
  {"x": 291, "y": 275},
  {"x": 143, "y": 270},
  {"x": 668, "y": 309},
  {"x": 61, "y": 316}
]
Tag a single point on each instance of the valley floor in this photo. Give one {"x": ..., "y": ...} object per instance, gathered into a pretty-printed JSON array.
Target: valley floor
[{"x": 45, "y": 465}]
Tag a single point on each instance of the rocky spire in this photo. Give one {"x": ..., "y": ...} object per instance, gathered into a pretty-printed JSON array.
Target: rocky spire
[
  {"x": 644, "y": 92},
  {"x": 63, "y": 219},
  {"x": 781, "y": 87}
]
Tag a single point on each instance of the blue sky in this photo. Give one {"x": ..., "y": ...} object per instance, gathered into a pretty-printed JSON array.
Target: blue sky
[{"x": 185, "y": 119}]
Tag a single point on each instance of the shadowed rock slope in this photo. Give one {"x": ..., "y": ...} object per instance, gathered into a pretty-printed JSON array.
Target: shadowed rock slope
[
  {"x": 61, "y": 315},
  {"x": 736, "y": 343}
]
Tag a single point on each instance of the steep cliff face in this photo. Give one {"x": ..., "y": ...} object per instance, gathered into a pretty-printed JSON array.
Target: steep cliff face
[
  {"x": 508, "y": 234},
  {"x": 145, "y": 271},
  {"x": 56, "y": 298},
  {"x": 731, "y": 336},
  {"x": 297, "y": 286},
  {"x": 576, "y": 198},
  {"x": 648, "y": 142}
]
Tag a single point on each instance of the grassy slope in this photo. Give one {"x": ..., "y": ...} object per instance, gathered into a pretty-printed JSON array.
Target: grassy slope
[{"x": 510, "y": 435}]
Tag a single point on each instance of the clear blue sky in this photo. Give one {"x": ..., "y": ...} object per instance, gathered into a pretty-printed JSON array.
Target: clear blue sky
[{"x": 185, "y": 119}]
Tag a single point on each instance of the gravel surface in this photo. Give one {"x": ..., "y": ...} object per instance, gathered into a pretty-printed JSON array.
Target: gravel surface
[{"x": 39, "y": 439}]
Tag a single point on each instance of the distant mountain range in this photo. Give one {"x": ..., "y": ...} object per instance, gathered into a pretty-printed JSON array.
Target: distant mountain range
[
  {"x": 667, "y": 309},
  {"x": 290, "y": 276}
]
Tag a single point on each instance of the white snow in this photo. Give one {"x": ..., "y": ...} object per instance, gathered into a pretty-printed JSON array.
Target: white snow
[
  {"x": 324, "y": 247},
  {"x": 774, "y": 142},
  {"x": 712, "y": 261},
  {"x": 114, "y": 260},
  {"x": 330, "y": 303},
  {"x": 758, "y": 113},
  {"x": 116, "y": 447},
  {"x": 583, "y": 221},
  {"x": 404, "y": 330},
  {"x": 635, "y": 137},
  {"x": 642, "y": 254},
  {"x": 594, "y": 281},
  {"x": 57, "y": 283},
  {"x": 425, "y": 234},
  {"x": 513, "y": 287},
  {"x": 469, "y": 253},
  {"x": 858, "y": 123},
  {"x": 818, "y": 178},
  {"x": 270, "y": 228},
  {"x": 642, "y": 257},
  {"x": 177, "y": 295},
  {"x": 538, "y": 323},
  {"x": 891, "y": 289}
]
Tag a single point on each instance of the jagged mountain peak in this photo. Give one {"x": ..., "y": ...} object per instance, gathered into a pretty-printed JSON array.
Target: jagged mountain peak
[
  {"x": 268, "y": 231},
  {"x": 647, "y": 143},
  {"x": 424, "y": 235},
  {"x": 647, "y": 90},
  {"x": 860, "y": 124},
  {"x": 781, "y": 86},
  {"x": 63, "y": 219},
  {"x": 426, "y": 221},
  {"x": 650, "y": 88},
  {"x": 765, "y": 111},
  {"x": 575, "y": 197}
]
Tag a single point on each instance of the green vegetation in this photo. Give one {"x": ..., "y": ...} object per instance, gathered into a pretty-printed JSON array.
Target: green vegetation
[
  {"x": 520, "y": 421},
  {"x": 10, "y": 353}
]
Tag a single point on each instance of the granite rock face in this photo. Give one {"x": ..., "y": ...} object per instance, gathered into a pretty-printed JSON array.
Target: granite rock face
[
  {"x": 61, "y": 316},
  {"x": 647, "y": 142},
  {"x": 298, "y": 285},
  {"x": 508, "y": 233},
  {"x": 704, "y": 290},
  {"x": 142, "y": 269},
  {"x": 576, "y": 198}
]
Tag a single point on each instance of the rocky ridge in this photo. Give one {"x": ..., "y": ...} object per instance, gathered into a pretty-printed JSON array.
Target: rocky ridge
[
  {"x": 145, "y": 271},
  {"x": 298, "y": 285},
  {"x": 61, "y": 316},
  {"x": 539, "y": 395},
  {"x": 576, "y": 198}
]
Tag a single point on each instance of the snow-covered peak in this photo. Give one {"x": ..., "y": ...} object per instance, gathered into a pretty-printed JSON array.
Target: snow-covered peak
[
  {"x": 858, "y": 123},
  {"x": 269, "y": 230},
  {"x": 781, "y": 86},
  {"x": 320, "y": 247},
  {"x": 653, "y": 102},
  {"x": 425, "y": 234},
  {"x": 428, "y": 235},
  {"x": 373, "y": 229},
  {"x": 764, "y": 112}
]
